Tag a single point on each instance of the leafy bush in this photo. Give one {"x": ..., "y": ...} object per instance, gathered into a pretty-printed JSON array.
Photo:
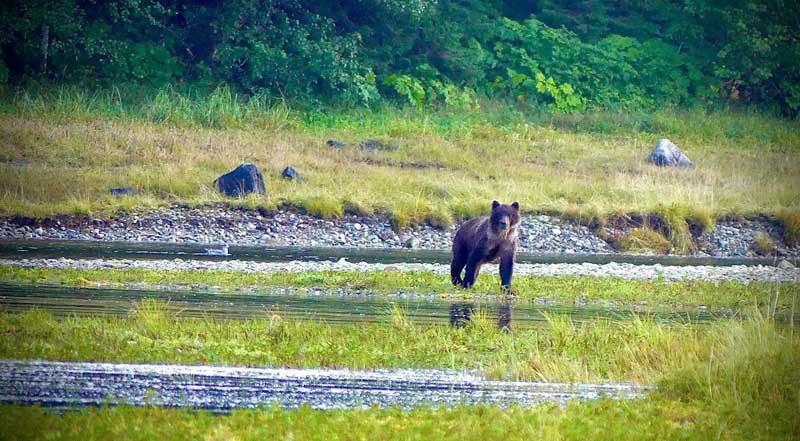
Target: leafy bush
[{"x": 564, "y": 56}]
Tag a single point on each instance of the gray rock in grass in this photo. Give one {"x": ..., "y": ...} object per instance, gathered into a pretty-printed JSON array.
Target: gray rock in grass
[
  {"x": 667, "y": 154},
  {"x": 335, "y": 144},
  {"x": 290, "y": 173},
  {"x": 122, "y": 191}
]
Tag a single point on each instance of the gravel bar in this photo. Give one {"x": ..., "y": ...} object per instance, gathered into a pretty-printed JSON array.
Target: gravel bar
[
  {"x": 628, "y": 271},
  {"x": 63, "y": 385},
  {"x": 538, "y": 233}
]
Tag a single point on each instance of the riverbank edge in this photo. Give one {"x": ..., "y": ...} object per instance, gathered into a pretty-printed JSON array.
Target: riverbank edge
[{"x": 630, "y": 234}]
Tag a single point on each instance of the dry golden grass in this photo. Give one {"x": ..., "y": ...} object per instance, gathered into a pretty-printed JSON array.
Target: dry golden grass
[{"x": 62, "y": 165}]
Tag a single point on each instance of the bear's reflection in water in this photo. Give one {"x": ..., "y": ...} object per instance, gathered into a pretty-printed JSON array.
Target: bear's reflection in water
[{"x": 461, "y": 314}]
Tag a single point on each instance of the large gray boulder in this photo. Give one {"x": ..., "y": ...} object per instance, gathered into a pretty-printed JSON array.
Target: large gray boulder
[
  {"x": 243, "y": 180},
  {"x": 667, "y": 154}
]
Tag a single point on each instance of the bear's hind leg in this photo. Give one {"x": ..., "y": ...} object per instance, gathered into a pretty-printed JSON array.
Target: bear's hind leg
[
  {"x": 473, "y": 266},
  {"x": 456, "y": 266}
]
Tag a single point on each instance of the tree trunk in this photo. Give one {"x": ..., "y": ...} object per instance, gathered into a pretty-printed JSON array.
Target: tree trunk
[{"x": 43, "y": 47}]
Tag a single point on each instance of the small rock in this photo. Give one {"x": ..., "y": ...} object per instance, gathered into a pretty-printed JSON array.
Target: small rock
[
  {"x": 785, "y": 264},
  {"x": 290, "y": 173},
  {"x": 122, "y": 191},
  {"x": 411, "y": 242},
  {"x": 372, "y": 145},
  {"x": 335, "y": 144},
  {"x": 387, "y": 235}
]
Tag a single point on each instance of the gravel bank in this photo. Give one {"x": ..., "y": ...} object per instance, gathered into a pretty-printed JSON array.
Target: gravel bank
[
  {"x": 618, "y": 270},
  {"x": 237, "y": 227},
  {"x": 242, "y": 227}
]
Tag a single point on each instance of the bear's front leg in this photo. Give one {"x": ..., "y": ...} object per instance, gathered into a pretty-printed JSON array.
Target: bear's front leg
[{"x": 506, "y": 270}]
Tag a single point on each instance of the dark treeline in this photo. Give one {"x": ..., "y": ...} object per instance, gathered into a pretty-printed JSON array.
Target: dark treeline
[{"x": 565, "y": 54}]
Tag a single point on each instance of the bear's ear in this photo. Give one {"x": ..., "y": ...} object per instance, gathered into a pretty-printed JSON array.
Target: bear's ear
[
  {"x": 515, "y": 205},
  {"x": 495, "y": 204}
]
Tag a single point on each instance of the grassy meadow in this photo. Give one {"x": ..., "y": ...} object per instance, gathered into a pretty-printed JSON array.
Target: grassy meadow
[
  {"x": 734, "y": 378},
  {"x": 63, "y": 149}
]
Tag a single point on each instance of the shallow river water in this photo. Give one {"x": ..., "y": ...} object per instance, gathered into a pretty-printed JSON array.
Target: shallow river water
[{"x": 338, "y": 307}]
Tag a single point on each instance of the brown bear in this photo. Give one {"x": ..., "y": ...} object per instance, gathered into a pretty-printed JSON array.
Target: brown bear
[{"x": 484, "y": 239}]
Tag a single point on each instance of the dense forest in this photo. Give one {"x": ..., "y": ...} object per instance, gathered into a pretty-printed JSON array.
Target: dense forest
[{"x": 567, "y": 55}]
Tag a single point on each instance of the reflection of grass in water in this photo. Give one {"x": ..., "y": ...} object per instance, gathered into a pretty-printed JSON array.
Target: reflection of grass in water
[
  {"x": 563, "y": 288},
  {"x": 732, "y": 380},
  {"x": 640, "y": 349}
]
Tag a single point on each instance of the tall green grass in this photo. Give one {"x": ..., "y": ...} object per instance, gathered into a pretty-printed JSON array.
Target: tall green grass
[
  {"x": 641, "y": 350},
  {"x": 219, "y": 108},
  {"x": 637, "y": 420},
  {"x": 751, "y": 377}
]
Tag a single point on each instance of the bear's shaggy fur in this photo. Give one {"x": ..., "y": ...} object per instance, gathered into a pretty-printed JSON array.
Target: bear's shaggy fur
[{"x": 484, "y": 239}]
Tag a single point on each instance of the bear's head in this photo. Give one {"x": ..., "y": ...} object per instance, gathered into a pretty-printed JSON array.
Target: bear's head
[{"x": 504, "y": 217}]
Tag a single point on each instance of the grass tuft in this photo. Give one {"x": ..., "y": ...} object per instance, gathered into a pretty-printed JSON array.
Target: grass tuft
[
  {"x": 791, "y": 227},
  {"x": 644, "y": 240},
  {"x": 677, "y": 218},
  {"x": 763, "y": 245}
]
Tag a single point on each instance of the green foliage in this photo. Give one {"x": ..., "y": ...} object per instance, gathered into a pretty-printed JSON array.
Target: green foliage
[
  {"x": 565, "y": 55},
  {"x": 282, "y": 46},
  {"x": 418, "y": 92},
  {"x": 615, "y": 71}
]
